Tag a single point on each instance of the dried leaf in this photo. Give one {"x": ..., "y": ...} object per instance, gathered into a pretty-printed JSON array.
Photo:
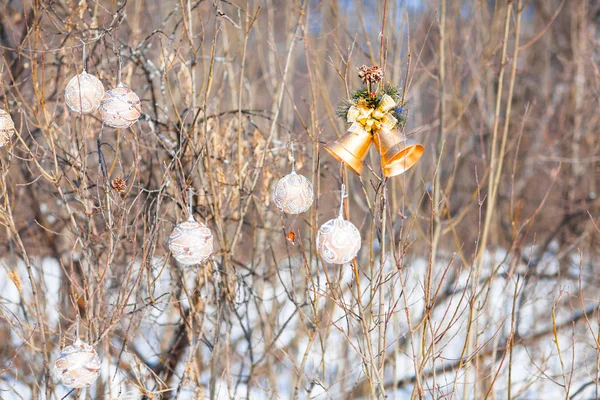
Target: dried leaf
[
  {"x": 81, "y": 7},
  {"x": 291, "y": 237},
  {"x": 13, "y": 275}
]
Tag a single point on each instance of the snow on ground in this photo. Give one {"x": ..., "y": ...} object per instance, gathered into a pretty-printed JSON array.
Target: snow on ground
[{"x": 332, "y": 362}]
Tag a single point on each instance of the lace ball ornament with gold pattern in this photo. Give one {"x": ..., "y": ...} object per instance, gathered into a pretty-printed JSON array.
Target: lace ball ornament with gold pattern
[
  {"x": 7, "y": 128},
  {"x": 78, "y": 365}
]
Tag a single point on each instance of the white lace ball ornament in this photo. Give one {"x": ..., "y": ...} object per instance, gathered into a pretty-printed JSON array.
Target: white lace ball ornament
[
  {"x": 191, "y": 242},
  {"x": 293, "y": 194},
  {"x": 7, "y": 128},
  {"x": 338, "y": 241},
  {"x": 78, "y": 365},
  {"x": 120, "y": 107},
  {"x": 83, "y": 93}
]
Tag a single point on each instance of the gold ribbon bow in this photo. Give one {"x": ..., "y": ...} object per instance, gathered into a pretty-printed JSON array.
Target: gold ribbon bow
[{"x": 371, "y": 120}]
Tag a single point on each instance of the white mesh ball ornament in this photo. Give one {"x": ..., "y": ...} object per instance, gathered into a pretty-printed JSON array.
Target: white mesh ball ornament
[
  {"x": 191, "y": 242},
  {"x": 7, "y": 128},
  {"x": 293, "y": 194},
  {"x": 83, "y": 93},
  {"x": 120, "y": 107},
  {"x": 78, "y": 365},
  {"x": 338, "y": 240}
]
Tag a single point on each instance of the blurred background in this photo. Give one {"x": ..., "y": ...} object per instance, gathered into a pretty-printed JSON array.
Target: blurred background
[{"x": 477, "y": 276}]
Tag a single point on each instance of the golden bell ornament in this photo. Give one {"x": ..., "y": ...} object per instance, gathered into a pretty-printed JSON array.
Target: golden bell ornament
[
  {"x": 351, "y": 149},
  {"x": 368, "y": 123},
  {"x": 398, "y": 153}
]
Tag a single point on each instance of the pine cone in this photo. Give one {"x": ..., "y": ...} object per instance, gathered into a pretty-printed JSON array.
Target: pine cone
[
  {"x": 118, "y": 185},
  {"x": 363, "y": 72},
  {"x": 372, "y": 74}
]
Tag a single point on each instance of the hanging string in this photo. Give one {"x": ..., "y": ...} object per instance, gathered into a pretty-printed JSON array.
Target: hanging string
[
  {"x": 117, "y": 52},
  {"x": 83, "y": 59},
  {"x": 120, "y": 68},
  {"x": 293, "y": 156},
  {"x": 191, "y": 203},
  {"x": 2, "y": 88},
  {"x": 343, "y": 196},
  {"x": 77, "y": 327}
]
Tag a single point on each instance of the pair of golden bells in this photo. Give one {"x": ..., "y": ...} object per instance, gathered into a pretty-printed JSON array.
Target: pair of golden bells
[{"x": 367, "y": 125}]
